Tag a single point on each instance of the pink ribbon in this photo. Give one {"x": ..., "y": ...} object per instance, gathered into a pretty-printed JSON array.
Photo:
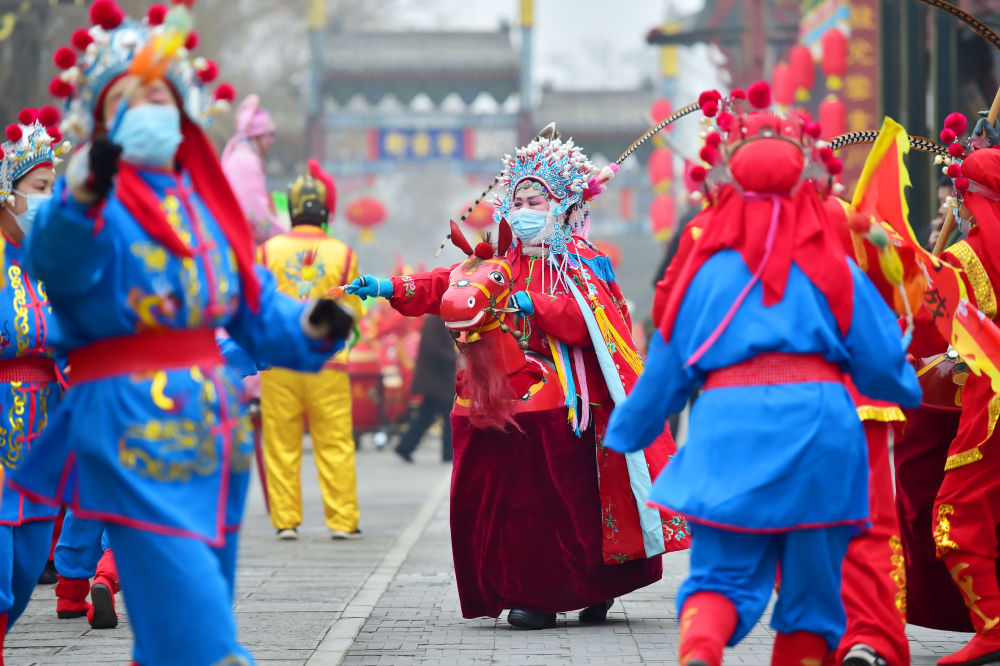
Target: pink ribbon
[{"x": 772, "y": 235}]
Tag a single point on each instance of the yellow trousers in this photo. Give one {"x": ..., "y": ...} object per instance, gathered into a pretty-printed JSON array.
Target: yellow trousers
[{"x": 287, "y": 399}]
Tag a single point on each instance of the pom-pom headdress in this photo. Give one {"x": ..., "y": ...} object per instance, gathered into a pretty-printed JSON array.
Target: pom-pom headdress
[
  {"x": 961, "y": 147},
  {"x": 743, "y": 117},
  {"x": 113, "y": 45},
  {"x": 561, "y": 168},
  {"x": 32, "y": 142}
]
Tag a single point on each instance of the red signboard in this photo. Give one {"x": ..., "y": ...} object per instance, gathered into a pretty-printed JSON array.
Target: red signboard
[{"x": 861, "y": 81}]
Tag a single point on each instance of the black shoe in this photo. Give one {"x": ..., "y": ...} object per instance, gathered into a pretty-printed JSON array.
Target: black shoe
[
  {"x": 598, "y": 613},
  {"x": 863, "y": 655},
  {"x": 70, "y": 614},
  {"x": 526, "y": 619},
  {"x": 405, "y": 455},
  {"x": 103, "y": 599},
  {"x": 49, "y": 575},
  {"x": 343, "y": 535}
]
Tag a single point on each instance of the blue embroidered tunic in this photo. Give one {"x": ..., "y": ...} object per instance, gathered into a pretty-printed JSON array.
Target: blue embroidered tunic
[
  {"x": 26, "y": 326},
  {"x": 171, "y": 450},
  {"x": 776, "y": 457}
]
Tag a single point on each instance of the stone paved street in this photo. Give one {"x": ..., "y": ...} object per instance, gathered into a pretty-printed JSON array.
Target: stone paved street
[{"x": 391, "y": 599}]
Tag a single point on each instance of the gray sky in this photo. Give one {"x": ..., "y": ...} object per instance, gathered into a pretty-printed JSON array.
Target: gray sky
[{"x": 605, "y": 46}]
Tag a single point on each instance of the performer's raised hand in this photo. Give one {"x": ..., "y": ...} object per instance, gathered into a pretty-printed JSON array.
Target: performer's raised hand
[
  {"x": 92, "y": 169},
  {"x": 327, "y": 319},
  {"x": 992, "y": 131},
  {"x": 369, "y": 286}
]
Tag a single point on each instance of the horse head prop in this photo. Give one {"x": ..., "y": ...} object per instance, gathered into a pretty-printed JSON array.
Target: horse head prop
[{"x": 499, "y": 379}]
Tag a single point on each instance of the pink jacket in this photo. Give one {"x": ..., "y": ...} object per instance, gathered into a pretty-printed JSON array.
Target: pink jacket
[{"x": 245, "y": 171}]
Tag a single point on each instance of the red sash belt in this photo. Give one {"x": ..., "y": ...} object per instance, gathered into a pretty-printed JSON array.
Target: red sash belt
[
  {"x": 35, "y": 369},
  {"x": 142, "y": 353},
  {"x": 768, "y": 369}
]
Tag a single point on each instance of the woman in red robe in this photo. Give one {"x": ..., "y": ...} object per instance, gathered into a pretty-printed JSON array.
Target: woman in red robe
[{"x": 537, "y": 527}]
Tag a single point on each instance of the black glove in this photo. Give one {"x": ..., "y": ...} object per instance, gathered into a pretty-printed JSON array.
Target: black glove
[
  {"x": 331, "y": 319},
  {"x": 992, "y": 132},
  {"x": 103, "y": 166}
]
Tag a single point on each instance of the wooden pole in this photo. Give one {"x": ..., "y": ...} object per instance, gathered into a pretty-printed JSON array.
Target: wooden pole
[{"x": 949, "y": 224}]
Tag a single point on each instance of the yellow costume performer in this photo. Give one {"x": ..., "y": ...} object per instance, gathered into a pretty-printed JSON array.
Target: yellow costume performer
[{"x": 307, "y": 264}]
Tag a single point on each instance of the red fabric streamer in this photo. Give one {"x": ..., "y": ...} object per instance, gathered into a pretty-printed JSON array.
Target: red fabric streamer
[{"x": 804, "y": 236}]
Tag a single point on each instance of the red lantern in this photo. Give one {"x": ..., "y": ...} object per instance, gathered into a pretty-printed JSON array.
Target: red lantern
[
  {"x": 661, "y": 110},
  {"x": 661, "y": 167},
  {"x": 832, "y": 116},
  {"x": 783, "y": 85},
  {"x": 481, "y": 216},
  {"x": 366, "y": 213},
  {"x": 611, "y": 251},
  {"x": 662, "y": 217},
  {"x": 800, "y": 61},
  {"x": 834, "y": 61}
]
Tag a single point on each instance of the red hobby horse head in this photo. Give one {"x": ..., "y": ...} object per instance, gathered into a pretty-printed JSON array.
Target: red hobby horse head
[{"x": 478, "y": 284}]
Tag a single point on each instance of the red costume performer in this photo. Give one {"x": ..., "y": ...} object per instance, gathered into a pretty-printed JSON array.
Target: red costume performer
[
  {"x": 518, "y": 497},
  {"x": 967, "y": 507}
]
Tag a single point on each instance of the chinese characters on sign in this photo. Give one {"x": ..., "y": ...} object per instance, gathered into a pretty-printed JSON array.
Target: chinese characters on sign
[
  {"x": 417, "y": 144},
  {"x": 861, "y": 81}
]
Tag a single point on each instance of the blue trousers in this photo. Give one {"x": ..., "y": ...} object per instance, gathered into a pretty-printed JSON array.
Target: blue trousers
[
  {"x": 81, "y": 544},
  {"x": 24, "y": 551},
  {"x": 742, "y": 567},
  {"x": 179, "y": 594}
]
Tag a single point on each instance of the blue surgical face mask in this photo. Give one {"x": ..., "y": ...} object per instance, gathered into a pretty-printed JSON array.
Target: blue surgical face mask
[
  {"x": 527, "y": 223},
  {"x": 149, "y": 134},
  {"x": 26, "y": 219}
]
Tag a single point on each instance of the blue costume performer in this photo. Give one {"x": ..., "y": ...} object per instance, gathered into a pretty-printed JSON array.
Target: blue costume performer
[
  {"x": 765, "y": 312},
  {"x": 29, "y": 379},
  {"x": 147, "y": 255}
]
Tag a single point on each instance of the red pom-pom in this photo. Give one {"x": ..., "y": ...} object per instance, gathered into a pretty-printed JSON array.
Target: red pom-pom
[
  {"x": 55, "y": 133},
  {"x": 826, "y": 154},
  {"x": 705, "y": 98},
  {"x": 835, "y": 167},
  {"x": 858, "y": 222},
  {"x": 64, "y": 57},
  {"x": 187, "y": 3},
  {"x": 60, "y": 89},
  {"x": 813, "y": 129},
  {"x": 726, "y": 121},
  {"x": 210, "y": 73},
  {"x": 106, "y": 14},
  {"x": 759, "y": 95},
  {"x": 714, "y": 140},
  {"x": 709, "y": 155},
  {"x": 956, "y": 122},
  {"x": 225, "y": 92},
  {"x": 14, "y": 133},
  {"x": 192, "y": 41},
  {"x": 698, "y": 174},
  {"x": 156, "y": 14},
  {"x": 710, "y": 109},
  {"x": 49, "y": 116},
  {"x": 956, "y": 150},
  {"x": 739, "y": 93},
  {"x": 962, "y": 184},
  {"x": 81, "y": 39},
  {"x": 484, "y": 251},
  {"x": 2, "y": 154},
  {"x": 954, "y": 170},
  {"x": 27, "y": 116},
  {"x": 947, "y": 135}
]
